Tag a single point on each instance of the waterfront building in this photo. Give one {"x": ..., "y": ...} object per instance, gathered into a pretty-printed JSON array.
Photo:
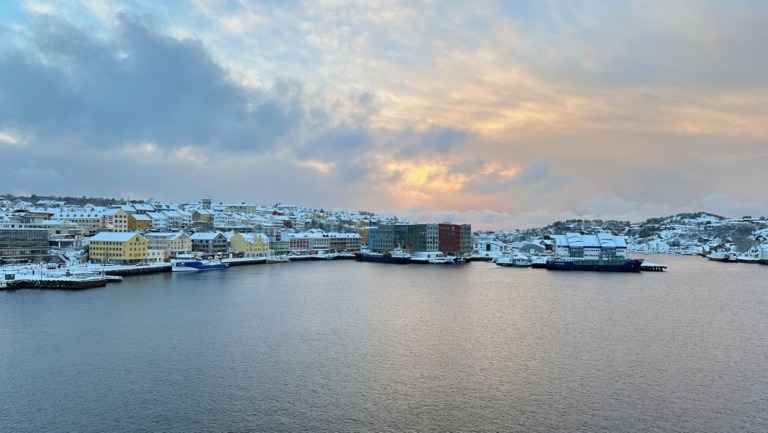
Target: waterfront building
[
  {"x": 488, "y": 247},
  {"x": 454, "y": 239},
  {"x": 118, "y": 248},
  {"x": 171, "y": 243},
  {"x": 209, "y": 243},
  {"x": 315, "y": 240},
  {"x": 248, "y": 244},
  {"x": 23, "y": 241}
]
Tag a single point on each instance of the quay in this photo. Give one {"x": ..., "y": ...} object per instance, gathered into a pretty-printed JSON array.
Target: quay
[{"x": 73, "y": 282}]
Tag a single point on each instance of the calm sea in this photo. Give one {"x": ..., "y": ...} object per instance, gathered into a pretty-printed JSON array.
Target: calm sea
[{"x": 348, "y": 347}]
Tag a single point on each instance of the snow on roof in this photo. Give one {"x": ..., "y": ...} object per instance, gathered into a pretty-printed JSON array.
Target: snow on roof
[
  {"x": 203, "y": 236},
  {"x": 114, "y": 236}
]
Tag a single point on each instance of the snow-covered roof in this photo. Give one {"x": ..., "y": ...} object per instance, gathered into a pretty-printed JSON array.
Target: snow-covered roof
[
  {"x": 205, "y": 236},
  {"x": 114, "y": 236}
]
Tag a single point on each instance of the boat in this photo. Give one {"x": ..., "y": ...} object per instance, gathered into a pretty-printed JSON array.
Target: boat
[
  {"x": 277, "y": 259},
  {"x": 432, "y": 258},
  {"x": 750, "y": 257},
  {"x": 325, "y": 255},
  {"x": 195, "y": 264},
  {"x": 720, "y": 256},
  {"x": 396, "y": 256},
  {"x": 602, "y": 264},
  {"x": 538, "y": 261},
  {"x": 514, "y": 259}
]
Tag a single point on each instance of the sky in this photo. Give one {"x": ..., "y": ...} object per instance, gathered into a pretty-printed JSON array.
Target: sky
[{"x": 502, "y": 114}]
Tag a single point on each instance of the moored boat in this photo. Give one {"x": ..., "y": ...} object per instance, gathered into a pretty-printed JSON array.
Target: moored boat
[
  {"x": 603, "y": 264},
  {"x": 432, "y": 258},
  {"x": 720, "y": 256},
  {"x": 514, "y": 259},
  {"x": 325, "y": 255},
  {"x": 538, "y": 261},
  {"x": 195, "y": 264},
  {"x": 396, "y": 256}
]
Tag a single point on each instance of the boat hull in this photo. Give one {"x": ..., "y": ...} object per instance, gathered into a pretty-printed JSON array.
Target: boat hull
[
  {"x": 628, "y": 265},
  {"x": 196, "y": 266},
  {"x": 381, "y": 258}
]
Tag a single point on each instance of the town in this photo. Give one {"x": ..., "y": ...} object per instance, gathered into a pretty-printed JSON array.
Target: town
[{"x": 57, "y": 234}]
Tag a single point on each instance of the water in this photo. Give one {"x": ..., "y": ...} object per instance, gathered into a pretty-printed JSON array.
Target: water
[{"x": 346, "y": 347}]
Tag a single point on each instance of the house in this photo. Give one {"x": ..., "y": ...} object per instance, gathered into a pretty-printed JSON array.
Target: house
[
  {"x": 118, "y": 247},
  {"x": 139, "y": 222},
  {"x": 116, "y": 220}
]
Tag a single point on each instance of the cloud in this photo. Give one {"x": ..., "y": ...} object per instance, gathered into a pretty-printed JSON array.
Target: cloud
[
  {"x": 138, "y": 85},
  {"x": 516, "y": 111}
]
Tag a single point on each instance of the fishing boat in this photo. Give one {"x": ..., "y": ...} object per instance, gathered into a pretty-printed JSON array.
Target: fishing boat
[{"x": 196, "y": 264}]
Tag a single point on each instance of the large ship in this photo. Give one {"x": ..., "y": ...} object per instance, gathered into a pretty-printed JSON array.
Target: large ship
[
  {"x": 396, "y": 256},
  {"x": 195, "y": 264},
  {"x": 603, "y": 264}
]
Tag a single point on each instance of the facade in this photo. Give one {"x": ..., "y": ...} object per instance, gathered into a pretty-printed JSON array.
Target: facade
[
  {"x": 118, "y": 248},
  {"x": 487, "y": 247},
  {"x": 116, "y": 220},
  {"x": 590, "y": 246},
  {"x": 451, "y": 239},
  {"x": 316, "y": 240},
  {"x": 89, "y": 220},
  {"x": 22, "y": 242},
  {"x": 211, "y": 243},
  {"x": 248, "y": 244},
  {"x": 171, "y": 243},
  {"x": 139, "y": 222}
]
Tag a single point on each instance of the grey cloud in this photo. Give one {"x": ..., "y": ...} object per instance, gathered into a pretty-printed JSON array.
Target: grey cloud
[{"x": 139, "y": 85}]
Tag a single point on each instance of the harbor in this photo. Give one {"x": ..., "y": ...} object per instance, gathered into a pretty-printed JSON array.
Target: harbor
[{"x": 474, "y": 347}]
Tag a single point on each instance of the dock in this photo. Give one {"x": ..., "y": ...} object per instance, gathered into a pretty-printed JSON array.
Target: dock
[{"x": 652, "y": 267}]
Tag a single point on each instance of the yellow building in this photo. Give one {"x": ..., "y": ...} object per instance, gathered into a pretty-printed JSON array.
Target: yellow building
[
  {"x": 172, "y": 243},
  {"x": 118, "y": 248},
  {"x": 116, "y": 220},
  {"x": 139, "y": 222},
  {"x": 248, "y": 244}
]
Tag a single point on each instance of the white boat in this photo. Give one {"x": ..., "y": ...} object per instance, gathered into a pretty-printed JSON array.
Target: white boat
[
  {"x": 513, "y": 258},
  {"x": 432, "y": 258},
  {"x": 721, "y": 256},
  {"x": 539, "y": 261},
  {"x": 325, "y": 255}
]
